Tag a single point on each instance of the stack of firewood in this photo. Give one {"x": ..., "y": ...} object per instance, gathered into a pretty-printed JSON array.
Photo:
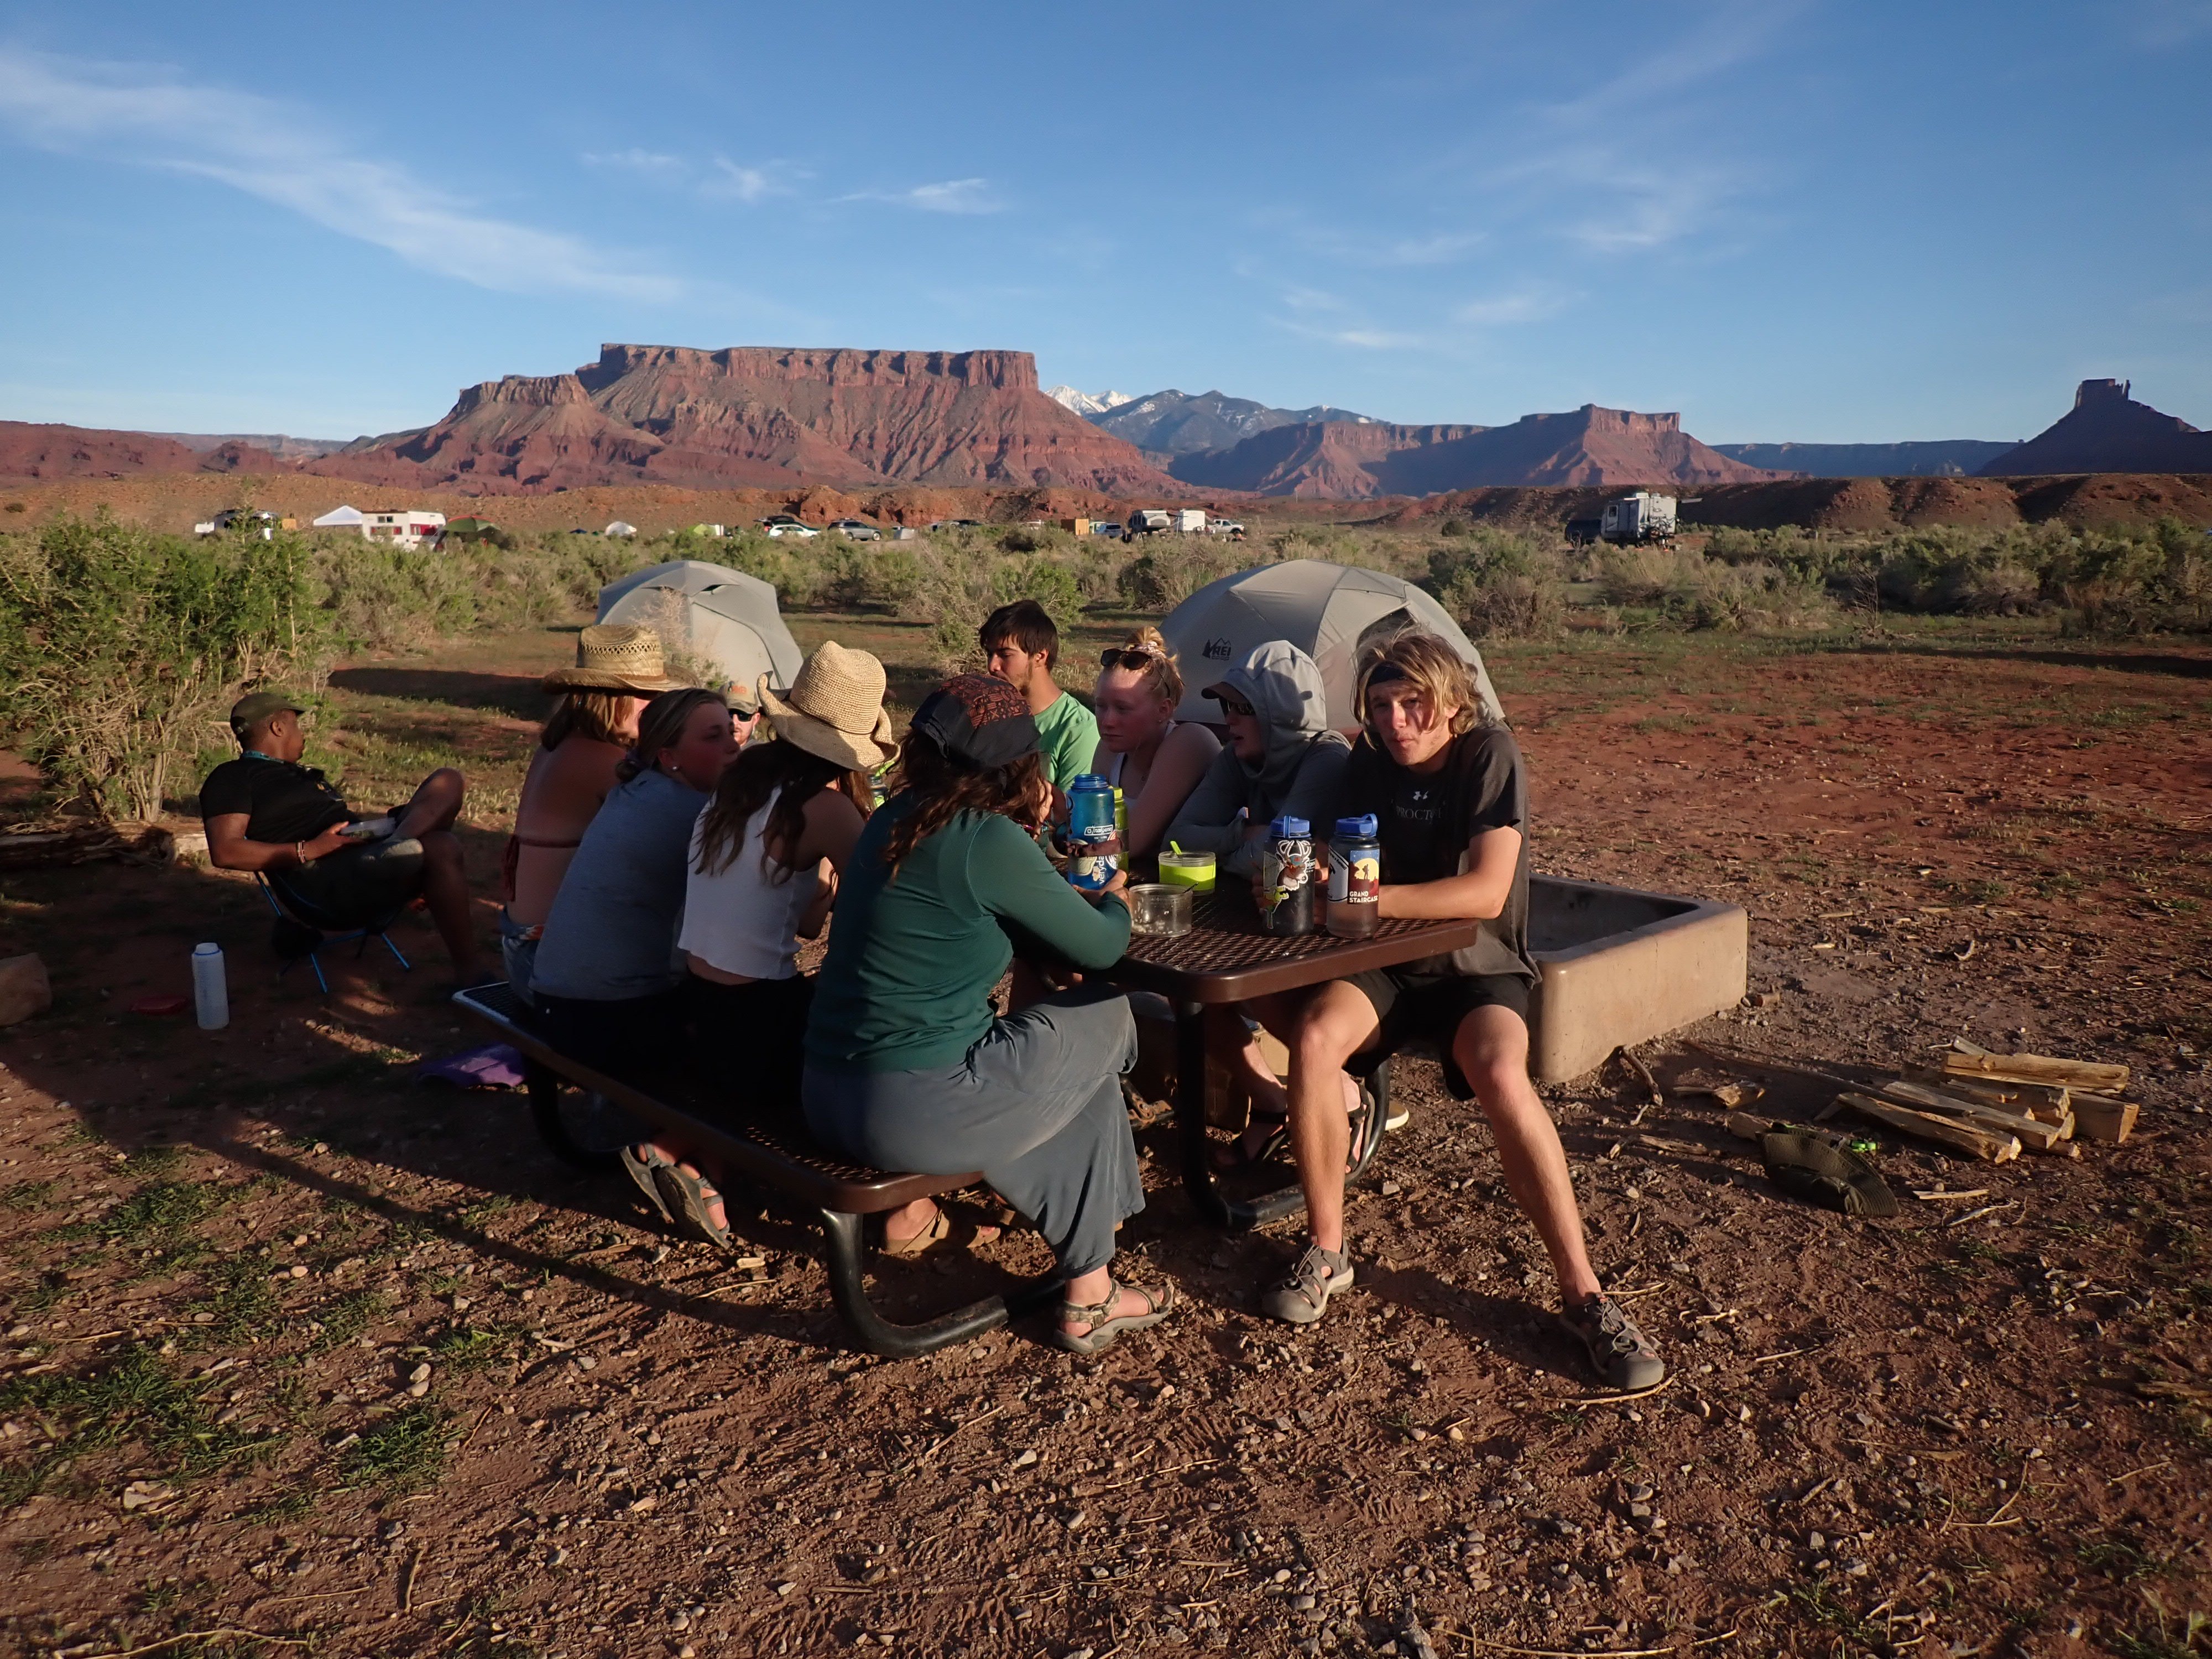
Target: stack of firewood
[{"x": 1989, "y": 1106}]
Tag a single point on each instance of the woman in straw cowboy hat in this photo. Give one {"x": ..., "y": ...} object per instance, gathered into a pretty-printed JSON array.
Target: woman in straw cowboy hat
[
  {"x": 584, "y": 740},
  {"x": 765, "y": 857}
]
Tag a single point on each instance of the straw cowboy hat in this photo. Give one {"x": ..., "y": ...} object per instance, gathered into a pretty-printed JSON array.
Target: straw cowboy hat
[
  {"x": 834, "y": 709},
  {"x": 616, "y": 657}
]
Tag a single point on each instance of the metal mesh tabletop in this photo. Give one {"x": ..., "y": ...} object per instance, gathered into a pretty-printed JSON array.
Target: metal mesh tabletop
[{"x": 1226, "y": 958}]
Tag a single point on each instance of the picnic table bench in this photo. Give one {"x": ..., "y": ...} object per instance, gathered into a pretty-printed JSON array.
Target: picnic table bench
[{"x": 839, "y": 1191}]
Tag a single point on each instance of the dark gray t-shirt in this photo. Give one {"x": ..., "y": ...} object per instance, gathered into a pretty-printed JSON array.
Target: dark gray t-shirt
[
  {"x": 611, "y": 933},
  {"x": 1426, "y": 820}
]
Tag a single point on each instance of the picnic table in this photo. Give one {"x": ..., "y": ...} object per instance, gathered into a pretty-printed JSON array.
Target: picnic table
[{"x": 1226, "y": 958}]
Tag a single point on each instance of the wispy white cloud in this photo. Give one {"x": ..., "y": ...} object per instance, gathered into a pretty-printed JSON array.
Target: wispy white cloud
[
  {"x": 950, "y": 195},
  {"x": 728, "y": 180},
  {"x": 635, "y": 160},
  {"x": 147, "y": 116},
  {"x": 1533, "y": 304},
  {"x": 2160, "y": 23}
]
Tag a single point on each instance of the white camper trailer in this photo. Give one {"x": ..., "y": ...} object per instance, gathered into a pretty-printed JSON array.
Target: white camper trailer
[{"x": 1640, "y": 516}]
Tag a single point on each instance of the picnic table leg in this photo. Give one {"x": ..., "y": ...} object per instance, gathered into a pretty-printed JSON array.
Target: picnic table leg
[
  {"x": 1238, "y": 1215},
  {"x": 845, "y": 1260}
]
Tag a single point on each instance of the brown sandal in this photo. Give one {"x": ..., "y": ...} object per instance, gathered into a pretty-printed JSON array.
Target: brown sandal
[{"x": 1105, "y": 1328}]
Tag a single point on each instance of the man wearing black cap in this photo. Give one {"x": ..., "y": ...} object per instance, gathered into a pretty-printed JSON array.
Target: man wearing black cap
[{"x": 266, "y": 812}]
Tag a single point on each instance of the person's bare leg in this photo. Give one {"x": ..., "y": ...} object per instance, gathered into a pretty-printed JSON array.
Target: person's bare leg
[
  {"x": 1492, "y": 1048},
  {"x": 1336, "y": 1024},
  {"x": 446, "y": 895},
  {"x": 436, "y": 805}
]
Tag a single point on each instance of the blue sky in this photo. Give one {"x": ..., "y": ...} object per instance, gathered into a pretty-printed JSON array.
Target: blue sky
[{"x": 1851, "y": 220}]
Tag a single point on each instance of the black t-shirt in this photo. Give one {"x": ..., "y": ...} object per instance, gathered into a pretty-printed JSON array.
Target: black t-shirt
[
  {"x": 283, "y": 801},
  {"x": 1424, "y": 820}
]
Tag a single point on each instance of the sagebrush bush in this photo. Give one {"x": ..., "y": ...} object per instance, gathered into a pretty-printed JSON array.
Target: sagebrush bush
[
  {"x": 121, "y": 651},
  {"x": 1500, "y": 584}
]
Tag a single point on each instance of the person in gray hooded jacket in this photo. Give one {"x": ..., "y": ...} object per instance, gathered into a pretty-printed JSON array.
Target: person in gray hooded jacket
[{"x": 1281, "y": 759}]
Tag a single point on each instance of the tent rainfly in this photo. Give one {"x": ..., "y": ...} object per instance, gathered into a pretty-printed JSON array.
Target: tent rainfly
[
  {"x": 619, "y": 528},
  {"x": 342, "y": 518},
  {"x": 711, "y": 612},
  {"x": 1328, "y": 610}
]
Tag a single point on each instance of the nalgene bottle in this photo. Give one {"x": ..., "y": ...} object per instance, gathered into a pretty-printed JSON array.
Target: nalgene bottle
[
  {"x": 1355, "y": 878},
  {"x": 1287, "y": 877},
  {"x": 1090, "y": 829}
]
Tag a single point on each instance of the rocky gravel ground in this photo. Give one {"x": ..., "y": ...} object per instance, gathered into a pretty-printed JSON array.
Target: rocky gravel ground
[{"x": 301, "y": 1355}]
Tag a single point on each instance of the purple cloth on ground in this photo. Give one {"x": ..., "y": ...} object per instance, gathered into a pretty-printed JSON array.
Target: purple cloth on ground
[{"x": 494, "y": 1066}]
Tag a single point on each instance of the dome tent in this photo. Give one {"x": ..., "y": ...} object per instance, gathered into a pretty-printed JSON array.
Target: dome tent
[
  {"x": 1327, "y": 610},
  {"x": 709, "y": 611}
]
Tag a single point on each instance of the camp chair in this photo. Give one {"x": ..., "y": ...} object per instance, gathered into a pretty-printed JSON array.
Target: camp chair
[{"x": 304, "y": 930}]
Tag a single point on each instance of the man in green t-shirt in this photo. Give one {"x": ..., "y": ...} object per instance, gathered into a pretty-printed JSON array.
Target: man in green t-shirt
[{"x": 1020, "y": 645}]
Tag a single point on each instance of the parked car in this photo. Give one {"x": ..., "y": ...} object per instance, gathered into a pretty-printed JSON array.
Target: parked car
[
  {"x": 857, "y": 530},
  {"x": 1105, "y": 527},
  {"x": 1227, "y": 527},
  {"x": 780, "y": 524}
]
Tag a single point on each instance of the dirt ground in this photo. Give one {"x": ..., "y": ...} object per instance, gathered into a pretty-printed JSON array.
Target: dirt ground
[{"x": 301, "y": 1355}]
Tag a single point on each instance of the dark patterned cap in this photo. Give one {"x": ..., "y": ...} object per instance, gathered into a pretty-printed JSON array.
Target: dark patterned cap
[{"x": 977, "y": 722}]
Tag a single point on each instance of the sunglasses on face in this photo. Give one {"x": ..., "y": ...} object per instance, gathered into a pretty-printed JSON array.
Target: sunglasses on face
[
  {"x": 1234, "y": 706},
  {"x": 1136, "y": 662}
]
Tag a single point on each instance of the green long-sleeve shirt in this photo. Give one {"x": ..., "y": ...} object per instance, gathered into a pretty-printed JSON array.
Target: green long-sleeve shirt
[{"x": 913, "y": 958}]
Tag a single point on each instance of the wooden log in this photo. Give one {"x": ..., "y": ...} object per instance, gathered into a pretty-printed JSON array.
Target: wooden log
[
  {"x": 1944, "y": 1132},
  {"x": 2041, "y": 1101},
  {"x": 1749, "y": 1127},
  {"x": 84, "y": 843},
  {"x": 2035, "y": 1136},
  {"x": 2075, "y": 1075},
  {"x": 2099, "y": 1119}
]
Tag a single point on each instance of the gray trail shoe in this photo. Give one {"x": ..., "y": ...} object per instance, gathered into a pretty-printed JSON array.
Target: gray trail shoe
[
  {"x": 1622, "y": 1355},
  {"x": 1302, "y": 1297}
]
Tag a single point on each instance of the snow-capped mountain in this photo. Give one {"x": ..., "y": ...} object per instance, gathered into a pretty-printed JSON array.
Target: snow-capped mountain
[{"x": 1086, "y": 403}]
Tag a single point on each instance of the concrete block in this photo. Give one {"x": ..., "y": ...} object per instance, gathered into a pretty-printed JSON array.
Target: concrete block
[
  {"x": 24, "y": 990},
  {"x": 1621, "y": 966}
]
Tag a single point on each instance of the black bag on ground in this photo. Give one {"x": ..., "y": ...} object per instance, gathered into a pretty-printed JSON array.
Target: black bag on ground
[{"x": 1816, "y": 1169}]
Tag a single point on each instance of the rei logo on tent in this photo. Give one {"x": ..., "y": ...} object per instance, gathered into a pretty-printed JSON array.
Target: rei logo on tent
[{"x": 1218, "y": 649}]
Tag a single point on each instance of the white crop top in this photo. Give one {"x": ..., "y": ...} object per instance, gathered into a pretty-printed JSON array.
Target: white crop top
[{"x": 743, "y": 919}]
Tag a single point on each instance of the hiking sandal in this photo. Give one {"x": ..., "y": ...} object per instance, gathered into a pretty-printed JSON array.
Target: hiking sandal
[
  {"x": 1106, "y": 1328},
  {"x": 641, "y": 1170},
  {"x": 1302, "y": 1297},
  {"x": 690, "y": 1194},
  {"x": 1622, "y": 1355},
  {"x": 940, "y": 1230},
  {"x": 1237, "y": 1155}
]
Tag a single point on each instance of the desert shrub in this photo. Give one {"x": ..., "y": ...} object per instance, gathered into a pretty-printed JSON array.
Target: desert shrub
[
  {"x": 1450, "y": 529},
  {"x": 1172, "y": 569},
  {"x": 1500, "y": 584},
  {"x": 1696, "y": 592},
  {"x": 380, "y": 597},
  {"x": 1050, "y": 583},
  {"x": 121, "y": 650}
]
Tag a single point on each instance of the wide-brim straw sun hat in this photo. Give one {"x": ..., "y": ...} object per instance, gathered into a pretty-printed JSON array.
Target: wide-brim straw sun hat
[
  {"x": 616, "y": 657},
  {"x": 834, "y": 709}
]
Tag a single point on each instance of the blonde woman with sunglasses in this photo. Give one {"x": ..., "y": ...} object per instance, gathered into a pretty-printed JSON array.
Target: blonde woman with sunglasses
[{"x": 1152, "y": 758}]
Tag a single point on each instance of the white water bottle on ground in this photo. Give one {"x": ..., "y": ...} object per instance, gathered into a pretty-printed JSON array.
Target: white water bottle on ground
[{"x": 209, "y": 990}]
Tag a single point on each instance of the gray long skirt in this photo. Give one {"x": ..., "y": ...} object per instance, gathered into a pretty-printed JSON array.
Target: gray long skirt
[{"x": 1036, "y": 1105}]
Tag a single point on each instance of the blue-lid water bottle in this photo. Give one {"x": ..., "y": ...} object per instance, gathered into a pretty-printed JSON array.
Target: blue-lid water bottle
[
  {"x": 1090, "y": 830},
  {"x": 210, "y": 988},
  {"x": 1355, "y": 878}
]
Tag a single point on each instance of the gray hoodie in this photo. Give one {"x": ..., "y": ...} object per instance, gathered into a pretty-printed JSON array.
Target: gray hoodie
[{"x": 1297, "y": 776}]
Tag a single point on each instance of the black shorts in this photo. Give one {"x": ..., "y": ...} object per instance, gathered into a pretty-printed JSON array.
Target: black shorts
[
  {"x": 1418, "y": 1004},
  {"x": 354, "y": 886}
]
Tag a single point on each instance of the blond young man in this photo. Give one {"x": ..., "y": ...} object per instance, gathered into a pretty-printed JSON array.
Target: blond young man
[{"x": 1450, "y": 797}]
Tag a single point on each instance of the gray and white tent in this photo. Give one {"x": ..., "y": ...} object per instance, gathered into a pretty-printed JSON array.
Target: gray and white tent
[
  {"x": 709, "y": 611},
  {"x": 1327, "y": 610}
]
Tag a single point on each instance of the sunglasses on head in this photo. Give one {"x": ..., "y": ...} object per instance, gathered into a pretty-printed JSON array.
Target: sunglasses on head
[{"x": 1136, "y": 662}]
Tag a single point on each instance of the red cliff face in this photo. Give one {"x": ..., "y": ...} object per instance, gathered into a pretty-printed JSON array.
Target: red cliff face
[
  {"x": 1607, "y": 448},
  {"x": 762, "y": 416},
  {"x": 2108, "y": 431}
]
